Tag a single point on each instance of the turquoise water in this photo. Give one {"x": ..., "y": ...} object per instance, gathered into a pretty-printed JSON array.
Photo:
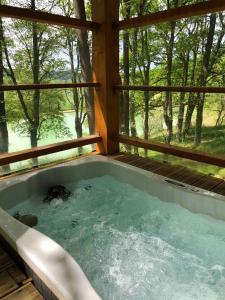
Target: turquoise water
[
  {"x": 132, "y": 245},
  {"x": 19, "y": 142}
]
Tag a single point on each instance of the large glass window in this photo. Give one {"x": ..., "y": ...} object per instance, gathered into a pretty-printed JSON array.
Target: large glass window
[
  {"x": 188, "y": 52},
  {"x": 33, "y": 53}
]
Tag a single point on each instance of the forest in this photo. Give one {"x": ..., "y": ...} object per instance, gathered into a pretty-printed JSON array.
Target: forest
[{"x": 188, "y": 52}]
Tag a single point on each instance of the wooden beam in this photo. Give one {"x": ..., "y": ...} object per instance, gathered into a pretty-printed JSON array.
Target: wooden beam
[
  {"x": 174, "y": 150},
  {"x": 8, "y": 158},
  {"x": 174, "y": 14},
  {"x": 44, "y": 17},
  {"x": 46, "y": 86},
  {"x": 188, "y": 89},
  {"x": 106, "y": 71}
]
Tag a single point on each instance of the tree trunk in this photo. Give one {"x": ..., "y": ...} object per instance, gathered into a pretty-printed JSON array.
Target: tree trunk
[
  {"x": 146, "y": 118},
  {"x": 4, "y": 138},
  {"x": 191, "y": 98},
  {"x": 126, "y": 80},
  {"x": 76, "y": 102},
  {"x": 133, "y": 128},
  {"x": 36, "y": 94},
  {"x": 182, "y": 101},
  {"x": 121, "y": 110},
  {"x": 126, "y": 69},
  {"x": 190, "y": 109},
  {"x": 219, "y": 120},
  {"x": 181, "y": 117},
  {"x": 199, "y": 119},
  {"x": 145, "y": 75},
  {"x": 86, "y": 68},
  {"x": 203, "y": 78},
  {"x": 168, "y": 103},
  {"x": 126, "y": 96}
]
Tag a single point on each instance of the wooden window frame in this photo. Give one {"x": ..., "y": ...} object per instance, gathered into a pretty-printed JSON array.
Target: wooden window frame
[
  {"x": 52, "y": 19},
  {"x": 174, "y": 14},
  {"x": 170, "y": 15},
  {"x": 8, "y": 158},
  {"x": 46, "y": 86},
  {"x": 45, "y": 17}
]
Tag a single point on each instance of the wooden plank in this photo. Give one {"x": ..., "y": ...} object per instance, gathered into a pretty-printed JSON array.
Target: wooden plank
[
  {"x": 208, "y": 183},
  {"x": 174, "y": 150},
  {"x": 46, "y": 86},
  {"x": 7, "y": 284},
  {"x": 174, "y": 172},
  {"x": 26, "y": 292},
  {"x": 174, "y": 14},
  {"x": 5, "y": 260},
  {"x": 163, "y": 169},
  {"x": 106, "y": 71},
  {"x": 191, "y": 178},
  {"x": 190, "y": 89},
  {"x": 177, "y": 173},
  {"x": 9, "y": 158},
  {"x": 220, "y": 188},
  {"x": 16, "y": 274},
  {"x": 44, "y": 17}
]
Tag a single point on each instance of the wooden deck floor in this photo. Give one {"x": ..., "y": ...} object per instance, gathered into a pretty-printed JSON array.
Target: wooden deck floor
[
  {"x": 14, "y": 284},
  {"x": 179, "y": 173}
]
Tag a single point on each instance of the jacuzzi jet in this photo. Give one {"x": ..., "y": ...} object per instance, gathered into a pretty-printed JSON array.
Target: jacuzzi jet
[
  {"x": 57, "y": 192},
  {"x": 29, "y": 220},
  {"x": 88, "y": 187}
]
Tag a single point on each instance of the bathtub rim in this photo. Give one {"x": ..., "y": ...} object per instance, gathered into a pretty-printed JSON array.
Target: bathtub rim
[{"x": 8, "y": 182}]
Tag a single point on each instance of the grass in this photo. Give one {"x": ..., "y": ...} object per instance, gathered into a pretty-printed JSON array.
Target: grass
[{"x": 213, "y": 141}]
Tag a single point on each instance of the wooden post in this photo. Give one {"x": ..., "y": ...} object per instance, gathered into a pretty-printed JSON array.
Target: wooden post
[{"x": 106, "y": 72}]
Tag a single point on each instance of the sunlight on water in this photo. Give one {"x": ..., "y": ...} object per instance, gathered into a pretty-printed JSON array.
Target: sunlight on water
[{"x": 133, "y": 246}]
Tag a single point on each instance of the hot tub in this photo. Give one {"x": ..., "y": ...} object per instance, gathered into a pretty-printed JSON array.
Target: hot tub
[{"x": 46, "y": 258}]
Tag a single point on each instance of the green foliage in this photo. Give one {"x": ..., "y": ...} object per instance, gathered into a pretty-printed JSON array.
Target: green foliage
[
  {"x": 187, "y": 52},
  {"x": 19, "y": 39}
]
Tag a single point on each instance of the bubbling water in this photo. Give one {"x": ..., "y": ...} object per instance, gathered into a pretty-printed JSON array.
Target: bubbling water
[{"x": 131, "y": 245}]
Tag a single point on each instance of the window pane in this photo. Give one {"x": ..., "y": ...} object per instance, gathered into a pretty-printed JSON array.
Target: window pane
[
  {"x": 194, "y": 120},
  {"x": 187, "y": 52},
  {"x": 39, "y": 53},
  {"x": 37, "y": 118},
  {"x": 44, "y": 161},
  {"x": 185, "y": 113},
  {"x": 33, "y": 53},
  {"x": 55, "y": 119}
]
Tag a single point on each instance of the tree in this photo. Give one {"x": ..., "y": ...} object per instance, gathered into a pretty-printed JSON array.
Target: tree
[
  {"x": 85, "y": 60},
  {"x": 203, "y": 77},
  {"x": 33, "y": 61},
  {"x": 4, "y": 138},
  {"x": 168, "y": 103},
  {"x": 126, "y": 71},
  {"x": 71, "y": 46}
]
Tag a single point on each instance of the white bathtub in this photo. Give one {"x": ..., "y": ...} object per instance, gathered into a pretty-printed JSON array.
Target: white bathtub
[{"x": 48, "y": 260}]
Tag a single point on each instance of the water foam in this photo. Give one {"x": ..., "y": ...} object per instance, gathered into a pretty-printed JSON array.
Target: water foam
[{"x": 134, "y": 246}]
